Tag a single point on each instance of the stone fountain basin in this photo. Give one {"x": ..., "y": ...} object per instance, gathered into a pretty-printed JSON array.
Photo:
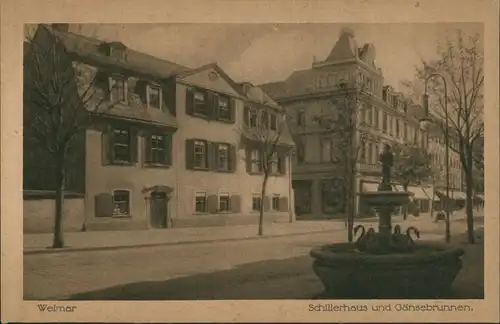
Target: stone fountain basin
[
  {"x": 427, "y": 272},
  {"x": 386, "y": 198}
]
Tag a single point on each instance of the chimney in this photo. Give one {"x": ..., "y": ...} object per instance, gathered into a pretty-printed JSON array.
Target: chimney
[{"x": 64, "y": 28}]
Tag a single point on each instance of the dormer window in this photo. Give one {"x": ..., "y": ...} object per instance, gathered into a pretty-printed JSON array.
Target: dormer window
[
  {"x": 154, "y": 97},
  {"x": 118, "y": 89}
]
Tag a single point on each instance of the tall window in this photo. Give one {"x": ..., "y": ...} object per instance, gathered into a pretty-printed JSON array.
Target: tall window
[
  {"x": 362, "y": 151},
  {"x": 275, "y": 203},
  {"x": 154, "y": 97},
  {"x": 200, "y": 201},
  {"x": 301, "y": 151},
  {"x": 301, "y": 118},
  {"x": 274, "y": 163},
  {"x": 274, "y": 121},
  {"x": 223, "y": 156},
  {"x": 256, "y": 203},
  {"x": 405, "y": 131},
  {"x": 200, "y": 154},
  {"x": 224, "y": 202},
  {"x": 376, "y": 118},
  {"x": 368, "y": 115},
  {"x": 256, "y": 161},
  {"x": 118, "y": 88},
  {"x": 253, "y": 118},
  {"x": 158, "y": 149},
  {"x": 384, "y": 122},
  {"x": 224, "y": 110},
  {"x": 121, "y": 145},
  {"x": 121, "y": 201},
  {"x": 326, "y": 150},
  {"x": 369, "y": 154},
  {"x": 199, "y": 103},
  {"x": 397, "y": 128}
]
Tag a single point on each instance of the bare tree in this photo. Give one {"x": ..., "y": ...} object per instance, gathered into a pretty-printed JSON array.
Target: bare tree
[
  {"x": 266, "y": 134},
  {"x": 460, "y": 62},
  {"x": 349, "y": 133},
  {"x": 60, "y": 96}
]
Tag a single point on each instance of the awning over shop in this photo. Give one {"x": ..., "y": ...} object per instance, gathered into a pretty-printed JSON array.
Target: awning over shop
[
  {"x": 455, "y": 195},
  {"x": 460, "y": 195},
  {"x": 398, "y": 188},
  {"x": 430, "y": 193},
  {"x": 418, "y": 193},
  {"x": 369, "y": 187}
]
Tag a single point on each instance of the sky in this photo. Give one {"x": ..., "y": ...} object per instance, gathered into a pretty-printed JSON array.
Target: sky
[{"x": 261, "y": 53}]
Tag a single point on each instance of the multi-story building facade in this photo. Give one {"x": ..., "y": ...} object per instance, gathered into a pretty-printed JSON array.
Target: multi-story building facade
[
  {"x": 310, "y": 93},
  {"x": 171, "y": 151}
]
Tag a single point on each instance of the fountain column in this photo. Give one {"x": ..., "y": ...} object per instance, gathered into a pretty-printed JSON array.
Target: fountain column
[{"x": 385, "y": 212}]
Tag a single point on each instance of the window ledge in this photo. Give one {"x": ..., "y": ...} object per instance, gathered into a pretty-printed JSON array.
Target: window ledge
[
  {"x": 199, "y": 169},
  {"x": 122, "y": 163},
  {"x": 157, "y": 166},
  {"x": 255, "y": 173},
  {"x": 200, "y": 213},
  {"x": 225, "y": 121},
  {"x": 121, "y": 216},
  {"x": 224, "y": 171}
]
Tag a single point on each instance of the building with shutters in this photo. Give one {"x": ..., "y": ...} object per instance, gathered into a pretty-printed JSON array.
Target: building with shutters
[
  {"x": 390, "y": 118},
  {"x": 171, "y": 151}
]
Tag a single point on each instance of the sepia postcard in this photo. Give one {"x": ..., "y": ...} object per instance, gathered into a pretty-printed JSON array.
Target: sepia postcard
[{"x": 250, "y": 161}]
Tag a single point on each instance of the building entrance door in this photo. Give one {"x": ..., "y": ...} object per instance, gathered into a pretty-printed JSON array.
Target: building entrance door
[{"x": 158, "y": 209}]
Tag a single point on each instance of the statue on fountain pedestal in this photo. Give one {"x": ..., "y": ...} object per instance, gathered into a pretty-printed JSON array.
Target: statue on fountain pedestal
[{"x": 387, "y": 160}]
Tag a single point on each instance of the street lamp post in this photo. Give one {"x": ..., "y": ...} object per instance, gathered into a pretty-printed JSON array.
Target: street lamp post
[{"x": 427, "y": 119}]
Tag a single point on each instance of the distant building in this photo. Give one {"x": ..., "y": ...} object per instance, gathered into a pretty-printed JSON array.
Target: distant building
[
  {"x": 308, "y": 93},
  {"x": 171, "y": 152}
]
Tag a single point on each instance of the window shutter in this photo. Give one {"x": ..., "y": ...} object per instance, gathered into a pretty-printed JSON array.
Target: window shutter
[
  {"x": 147, "y": 148},
  {"x": 107, "y": 146},
  {"x": 133, "y": 145},
  {"x": 215, "y": 106},
  {"x": 246, "y": 115},
  {"x": 235, "y": 203},
  {"x": 212, "y": 202},
  {"x": 189, "y": 101},
  {"x": 103, "y": 205},
  {"x": 232, "y": 158},
  {"x": 232, "y": 109},
  {"x": 283, "y": 204},
  {"x": 266, "y": 203},
  {"x": 189, "y": 154},
  {"x": 248, "y": 159},
  {"x": 211, "y": 156},
  {"x": 168, "y": 149}
]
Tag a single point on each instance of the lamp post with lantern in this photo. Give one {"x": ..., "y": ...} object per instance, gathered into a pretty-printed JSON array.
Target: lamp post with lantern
[{"x": 424, "y": 122}]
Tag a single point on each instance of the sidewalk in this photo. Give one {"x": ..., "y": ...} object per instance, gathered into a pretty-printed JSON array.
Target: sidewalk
[{"x": 105, "y": 240}]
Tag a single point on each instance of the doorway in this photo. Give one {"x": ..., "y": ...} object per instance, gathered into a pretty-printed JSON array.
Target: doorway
[{"x": 159, "y": 209}]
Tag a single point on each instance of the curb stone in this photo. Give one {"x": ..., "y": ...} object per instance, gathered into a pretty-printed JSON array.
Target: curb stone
[{"x": 134, "y": 246}]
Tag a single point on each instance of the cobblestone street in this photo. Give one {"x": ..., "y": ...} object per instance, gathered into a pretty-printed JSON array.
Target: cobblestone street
[{"x": 277, "y": 267}]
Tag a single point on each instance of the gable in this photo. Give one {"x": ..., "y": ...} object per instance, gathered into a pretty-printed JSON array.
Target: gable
[{"x": 210, "y": 79}]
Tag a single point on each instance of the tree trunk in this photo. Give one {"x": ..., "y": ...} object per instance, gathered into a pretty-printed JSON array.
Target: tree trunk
[
  {"x": 261, "y": 212},
  {"x": 433, "y": 197},
  {"x": 405, "y": 207},
  {"x": 469, "y": 183},
  {"x": 58, "y": 241}
]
